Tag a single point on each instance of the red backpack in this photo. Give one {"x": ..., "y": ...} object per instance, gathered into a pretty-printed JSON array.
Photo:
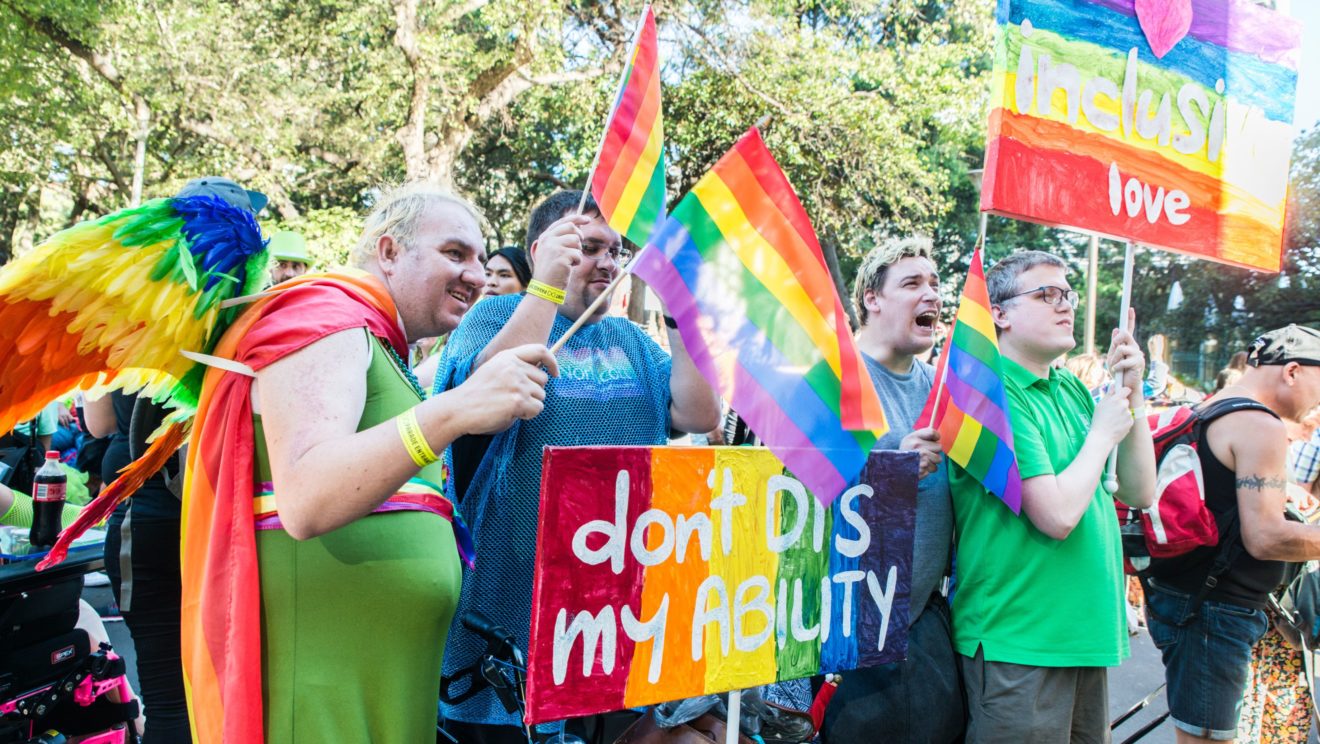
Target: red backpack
[{"x": 1178, "y": 520}]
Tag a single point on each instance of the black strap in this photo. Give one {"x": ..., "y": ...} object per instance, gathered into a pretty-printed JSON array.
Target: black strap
[{"x": 1231, "y": 546}]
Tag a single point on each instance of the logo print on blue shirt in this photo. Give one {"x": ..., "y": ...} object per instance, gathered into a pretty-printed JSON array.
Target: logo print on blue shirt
[{"x": 596, "y": 374}]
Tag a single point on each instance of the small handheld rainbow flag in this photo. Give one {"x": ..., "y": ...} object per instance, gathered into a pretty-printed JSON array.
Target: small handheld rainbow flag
[
  {"x": 628, "y": 180},
  {"x": 969, "y": 406},
  {"x": 739, "y": 268}
]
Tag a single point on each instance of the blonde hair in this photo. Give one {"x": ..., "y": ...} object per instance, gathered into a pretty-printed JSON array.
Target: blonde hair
[
  {"x": 871, "y": 274},
  {"x": 397, "y": 214},
  {"x": 1089, "y": 368}
]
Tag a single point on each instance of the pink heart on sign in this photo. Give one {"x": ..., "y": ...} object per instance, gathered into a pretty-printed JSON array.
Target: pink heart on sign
[{"x": 1165, "y": 22}]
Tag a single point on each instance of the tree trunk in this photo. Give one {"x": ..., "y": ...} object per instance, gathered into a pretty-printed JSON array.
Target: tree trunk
[
  {"x": 412, "y": 135},
  {"x": 832, "y": 261},
  {"x": 637, "y": 300}
]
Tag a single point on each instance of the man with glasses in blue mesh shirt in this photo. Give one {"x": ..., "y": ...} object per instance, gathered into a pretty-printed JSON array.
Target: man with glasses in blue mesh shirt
[
  {"x": 1038, "y": 611},
  {"x": 615, "y": 386}
]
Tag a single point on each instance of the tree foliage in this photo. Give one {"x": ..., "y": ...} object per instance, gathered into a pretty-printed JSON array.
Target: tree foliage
[{"x": 876, "y": 112}]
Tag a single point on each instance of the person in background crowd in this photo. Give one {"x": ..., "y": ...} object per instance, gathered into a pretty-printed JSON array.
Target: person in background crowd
[
  {"x": 1237, "y": 364},
  {"x": 507, "y": 272},
  {"x": 1304, "y": 453},
  {"x": 288, "y": 252}
]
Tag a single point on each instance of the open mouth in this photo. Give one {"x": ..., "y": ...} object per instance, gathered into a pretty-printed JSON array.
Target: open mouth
[
  {"x": 928, "y": 319},
  {"x": 463, "y": 297}
]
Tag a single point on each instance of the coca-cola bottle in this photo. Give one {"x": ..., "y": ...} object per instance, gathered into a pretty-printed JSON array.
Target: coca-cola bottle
[{"x": 48, "y": 489}]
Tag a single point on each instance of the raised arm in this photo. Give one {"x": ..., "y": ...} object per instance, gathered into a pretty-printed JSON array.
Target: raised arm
[
  {"x": 1056, "y": 503},
  {"x": 554, "y": 255},
  {"x": 326, "y": 473},
  {"x": 694, "y": 408}
]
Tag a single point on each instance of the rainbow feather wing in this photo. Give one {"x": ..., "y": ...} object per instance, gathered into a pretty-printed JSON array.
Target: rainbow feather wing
[{"x": 113, "y": 301}]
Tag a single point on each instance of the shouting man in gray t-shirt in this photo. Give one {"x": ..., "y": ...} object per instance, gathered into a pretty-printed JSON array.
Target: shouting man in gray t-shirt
[{"x": 920, "y": 699}]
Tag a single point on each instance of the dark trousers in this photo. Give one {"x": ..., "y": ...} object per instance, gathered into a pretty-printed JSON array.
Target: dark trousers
[
  {"x": 142, "y": 560},
  {"x": 917, "y": 701}
]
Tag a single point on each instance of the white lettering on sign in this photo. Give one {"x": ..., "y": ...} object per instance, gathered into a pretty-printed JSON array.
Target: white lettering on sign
[
  {"x": 1140, "y": 115},
  {"x": 1136, "y": 198}
]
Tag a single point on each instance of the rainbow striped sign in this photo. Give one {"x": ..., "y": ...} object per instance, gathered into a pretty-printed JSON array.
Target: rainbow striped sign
[
  {"x": 1167, "y": 123},
  {"x": 664, "y": 573}
]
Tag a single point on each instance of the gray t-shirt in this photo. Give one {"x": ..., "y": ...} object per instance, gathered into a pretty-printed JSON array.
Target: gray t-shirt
[{"x": 903, "y": 397}]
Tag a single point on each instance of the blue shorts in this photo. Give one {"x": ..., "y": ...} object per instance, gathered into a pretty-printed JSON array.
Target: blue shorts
[{"x": 1205, "y": 661}]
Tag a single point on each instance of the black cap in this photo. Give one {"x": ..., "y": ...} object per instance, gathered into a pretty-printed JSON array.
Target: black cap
[
  {"x": 226, "y": 189},
  {"x": 1292, "y": 344}
]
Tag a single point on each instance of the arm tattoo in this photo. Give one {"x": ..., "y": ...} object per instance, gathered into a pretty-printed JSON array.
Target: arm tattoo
[{"x": 1257, "y": 483}]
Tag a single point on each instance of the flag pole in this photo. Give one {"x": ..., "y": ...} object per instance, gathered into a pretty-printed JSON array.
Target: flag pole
[
  {"x": 623, "y": 81},
  {"x": 582, "y": 319},
  {"x": 1111, "y": 468}
]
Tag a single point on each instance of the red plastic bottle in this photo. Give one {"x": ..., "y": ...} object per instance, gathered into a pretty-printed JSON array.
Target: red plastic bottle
[{"x": 48, "y": 489}]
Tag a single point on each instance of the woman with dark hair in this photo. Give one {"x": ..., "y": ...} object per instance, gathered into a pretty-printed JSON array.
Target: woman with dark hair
[{"x": 507, "y": 272}]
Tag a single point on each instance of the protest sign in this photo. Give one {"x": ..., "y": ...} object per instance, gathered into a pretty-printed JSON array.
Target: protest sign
[
  {"x": 669, "y": 572},
  {"x": 1164, "y": 123}
]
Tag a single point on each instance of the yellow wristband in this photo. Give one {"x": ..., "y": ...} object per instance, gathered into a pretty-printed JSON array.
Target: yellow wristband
[
  {"x": 540, "y": 289},
  {"x": 413, "y": 440}
]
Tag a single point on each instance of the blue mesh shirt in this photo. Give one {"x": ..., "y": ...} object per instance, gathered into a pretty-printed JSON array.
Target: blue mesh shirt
[{"x": 613, "y": 388}]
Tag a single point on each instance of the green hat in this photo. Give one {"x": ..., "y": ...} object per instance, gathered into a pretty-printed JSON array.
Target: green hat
[{"x": 287, "y": 245}]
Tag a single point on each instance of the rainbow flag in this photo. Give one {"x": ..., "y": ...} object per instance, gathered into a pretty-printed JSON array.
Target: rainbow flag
[
  {"x": 628, "y": 181},
  {"x": 739, "y": 268},
  {"x": 969, "y": 405},
  {"x": 1163, "y": 122}
]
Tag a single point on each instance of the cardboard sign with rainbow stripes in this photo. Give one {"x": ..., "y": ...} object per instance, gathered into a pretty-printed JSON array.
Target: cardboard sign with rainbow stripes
[
  {"x": 1164, "y": 122},
  {"x": 668, "y": 572}
]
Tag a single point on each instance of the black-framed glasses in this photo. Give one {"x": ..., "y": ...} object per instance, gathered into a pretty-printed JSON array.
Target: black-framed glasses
[
  {"x": 1052, "y": 295},
  {"x": 595, "y": 251}
]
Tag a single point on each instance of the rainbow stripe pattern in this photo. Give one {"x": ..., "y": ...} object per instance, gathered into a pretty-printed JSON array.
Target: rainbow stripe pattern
[
  {"x": 628, "y": 182},
  {"x": 739, "y": 268},
  {"x": 969, "y": 405},
  {"x": 794, "y": 592},
  {"x": 1185, "y": 149},
  {"x": 114, "y": 300}
]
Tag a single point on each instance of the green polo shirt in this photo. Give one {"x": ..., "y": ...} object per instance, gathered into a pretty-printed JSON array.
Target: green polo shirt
[{"x": 1022, "y": 596}]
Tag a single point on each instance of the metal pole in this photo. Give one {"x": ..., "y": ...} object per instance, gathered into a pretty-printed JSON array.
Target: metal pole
[{"x": 1092, "y": 270}]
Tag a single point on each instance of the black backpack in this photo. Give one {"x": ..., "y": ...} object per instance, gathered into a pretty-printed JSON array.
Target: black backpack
[{"x": 20, "y": 458}]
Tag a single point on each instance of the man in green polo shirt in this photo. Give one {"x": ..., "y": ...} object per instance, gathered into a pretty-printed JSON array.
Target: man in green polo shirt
[{"x": 1038, "y": 610}]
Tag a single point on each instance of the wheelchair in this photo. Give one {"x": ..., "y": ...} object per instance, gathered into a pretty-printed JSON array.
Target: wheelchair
[{"x": 54, "y": 687}]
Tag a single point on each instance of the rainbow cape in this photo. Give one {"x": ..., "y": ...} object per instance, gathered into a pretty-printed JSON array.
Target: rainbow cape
[
  {"x": 221, "y": 605},
  {"x": 969, "y": 405},
  {"x": 739, "y": 268},
  {"x": 628, "y": 182}
]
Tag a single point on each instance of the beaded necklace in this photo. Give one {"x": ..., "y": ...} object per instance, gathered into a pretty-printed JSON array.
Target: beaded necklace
[{"x": 406, "y": 370}]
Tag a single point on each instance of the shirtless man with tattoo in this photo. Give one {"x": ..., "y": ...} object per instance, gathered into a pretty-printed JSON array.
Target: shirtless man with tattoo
[{"x": 1243, "y": 458}]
